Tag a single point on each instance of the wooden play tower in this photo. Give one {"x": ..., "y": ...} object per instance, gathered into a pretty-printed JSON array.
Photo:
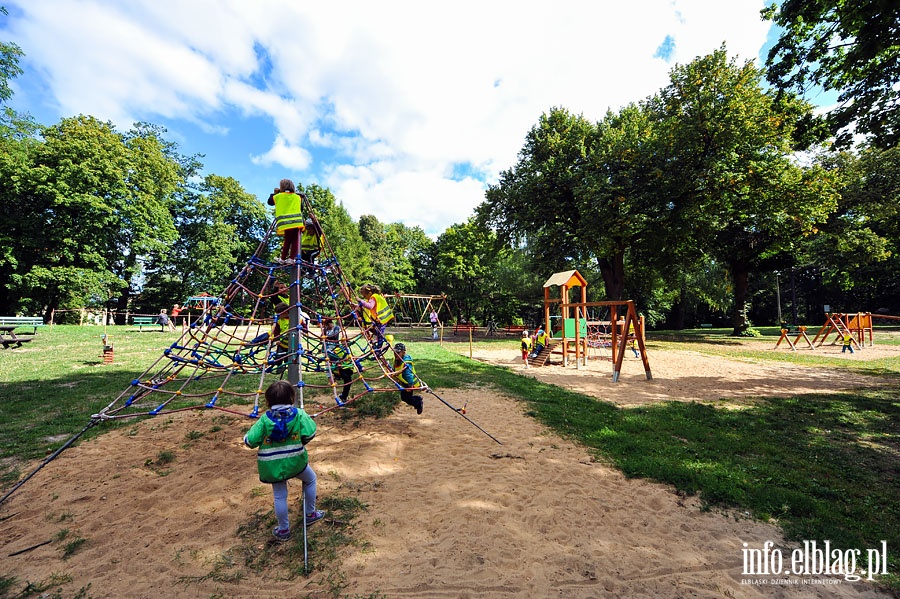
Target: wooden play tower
[{"x": 574, "y": 318}]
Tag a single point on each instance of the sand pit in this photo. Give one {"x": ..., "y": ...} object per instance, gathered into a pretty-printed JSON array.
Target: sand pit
[{"x": 450, "y": 512}]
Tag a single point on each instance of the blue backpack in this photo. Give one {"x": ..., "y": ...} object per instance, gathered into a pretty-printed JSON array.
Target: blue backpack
[{"x": 282, "y": 420}]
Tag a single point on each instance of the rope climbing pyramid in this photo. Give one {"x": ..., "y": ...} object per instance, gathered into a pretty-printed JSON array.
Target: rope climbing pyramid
[{"x": 298, "y": 319}]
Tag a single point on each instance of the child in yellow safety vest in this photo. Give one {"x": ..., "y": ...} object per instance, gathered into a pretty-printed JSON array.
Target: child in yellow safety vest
[
  {"x": 848, "y": 343},
  {"x": 526, "y": 347},
  {"x": 375, "y": 312},
  {"x": 311, "y": 241},
  {"x": 541, "y": 339},
  {"x": 288, "y": 219},
  {"x": 406, "y": 378}
]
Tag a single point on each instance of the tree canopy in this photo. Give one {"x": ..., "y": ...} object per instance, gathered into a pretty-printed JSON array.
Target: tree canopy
[
  {"x": 693, "y": 201},
  {"x": 843, "y": 46}
]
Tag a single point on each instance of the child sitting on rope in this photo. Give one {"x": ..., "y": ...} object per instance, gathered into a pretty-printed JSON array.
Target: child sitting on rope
[
  {"x": 407, "y": 378},
  {"x": 281, "y": 434}
]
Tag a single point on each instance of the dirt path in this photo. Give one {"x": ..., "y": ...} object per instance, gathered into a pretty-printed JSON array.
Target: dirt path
[{"x": 450, "y": 513}]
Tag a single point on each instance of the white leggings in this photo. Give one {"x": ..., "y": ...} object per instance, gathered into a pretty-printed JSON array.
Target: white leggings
[{"x": 280, "y": 492}]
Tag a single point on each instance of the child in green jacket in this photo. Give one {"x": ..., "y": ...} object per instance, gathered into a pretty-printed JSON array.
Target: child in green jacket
[{"x": 281, "y": 435}]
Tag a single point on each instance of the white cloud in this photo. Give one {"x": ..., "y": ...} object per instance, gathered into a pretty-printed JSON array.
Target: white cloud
[
  {"x": 376, "y": 100},
  {"x": 285, "y": 154}
]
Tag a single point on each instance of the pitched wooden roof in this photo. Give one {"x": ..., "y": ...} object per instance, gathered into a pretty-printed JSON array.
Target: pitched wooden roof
[{"x": 569, "y": 278}]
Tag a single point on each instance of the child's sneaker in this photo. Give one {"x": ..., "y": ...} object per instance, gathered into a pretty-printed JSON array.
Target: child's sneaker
[
  {"x": 281, "y": 534},
  {"x": 420, "y": 403},
  {"x": 313, "y": 517}
]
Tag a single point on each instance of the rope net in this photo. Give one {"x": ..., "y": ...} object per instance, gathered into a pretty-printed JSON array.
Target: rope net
[{"x": 299, "y": 318}]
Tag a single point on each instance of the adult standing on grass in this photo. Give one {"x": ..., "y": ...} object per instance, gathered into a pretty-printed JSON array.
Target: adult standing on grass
[
  {"x": 281, "y": 434},
  {"x": 435, "y": 323},
  {"x": 288, "y": 219},
  {"x": 176, "y": 312}
]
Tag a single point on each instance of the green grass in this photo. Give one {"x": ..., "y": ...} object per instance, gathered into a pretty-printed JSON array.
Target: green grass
[{"x": 821, "y": 466}]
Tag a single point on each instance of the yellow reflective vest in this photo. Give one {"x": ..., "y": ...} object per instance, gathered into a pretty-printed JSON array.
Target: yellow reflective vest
[
  {"x": 309, "y": 241},
  {"x": 381, "y": 314},
  {"x": 287, "y": 212}
]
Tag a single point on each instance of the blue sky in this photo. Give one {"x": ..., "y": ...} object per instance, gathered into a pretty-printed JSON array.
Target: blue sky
[{"x": 406, "y": 110}]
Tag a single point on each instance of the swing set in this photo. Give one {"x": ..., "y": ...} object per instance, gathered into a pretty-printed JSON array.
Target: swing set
[{"x": 414, "y": 310}]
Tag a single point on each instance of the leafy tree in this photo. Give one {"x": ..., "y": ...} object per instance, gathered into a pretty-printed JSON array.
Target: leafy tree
[
  {"x": 220, "y": 225},
  {"x": 373, "y": 234},
  {"x": 405, "y": 246},
  {"x": 857, "y": 254},
  {"x": 71, "y": 194},
  {"x": 849, "y": 47},
  {"x": 536, "y": 202},
  {"x": 619, "y": 195},
  {"x": 466, "y": 258},
  {"x": 516, "y": 294},
  {"x": 394, "y": 249},
  {"x": 16, "y": 147},
  {"x": 341, "y": 234},
  {"x": 91, "y": 200},
  {"x": 9, "y": 65},
  {"x": 729, "y": 172}
]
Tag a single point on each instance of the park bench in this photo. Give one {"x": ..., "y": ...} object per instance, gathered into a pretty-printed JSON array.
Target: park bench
[
  {"x": 23, "y": 321},
  {"x": 706, "y": 326},
  {"x": 9, "y": 324},
  {"x": 464, "y": 328},
  {"x": 145, "y": 321},
  {"x": 514, "y": 329}
]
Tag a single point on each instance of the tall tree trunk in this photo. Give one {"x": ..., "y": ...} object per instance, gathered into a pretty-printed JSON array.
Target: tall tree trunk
[
  {"x": 676, "y": 316},
  {"x": 122, "y": 307},
  {"x": 741, "y": 275},
  {"x": 613, "y": 272}
]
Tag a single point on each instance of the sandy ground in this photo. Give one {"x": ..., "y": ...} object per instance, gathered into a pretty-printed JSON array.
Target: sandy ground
[{"x": 450, "y": 512}]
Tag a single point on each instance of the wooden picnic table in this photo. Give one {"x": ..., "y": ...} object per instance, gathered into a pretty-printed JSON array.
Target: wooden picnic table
[{"x": 9, "y": 338}]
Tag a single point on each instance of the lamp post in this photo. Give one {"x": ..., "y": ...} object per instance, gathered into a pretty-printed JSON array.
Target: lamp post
[{"x": 778, "y": 296}]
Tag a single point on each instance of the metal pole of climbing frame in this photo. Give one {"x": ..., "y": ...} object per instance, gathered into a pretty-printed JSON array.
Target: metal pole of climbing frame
[{"x": 294, "y": 335}]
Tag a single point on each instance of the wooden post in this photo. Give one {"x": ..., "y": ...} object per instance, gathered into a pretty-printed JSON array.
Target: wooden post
[
  {"x": 577, "y": 340},
  {"x": 613, "y": 334},
  {"x": 641, "y": 345}
]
